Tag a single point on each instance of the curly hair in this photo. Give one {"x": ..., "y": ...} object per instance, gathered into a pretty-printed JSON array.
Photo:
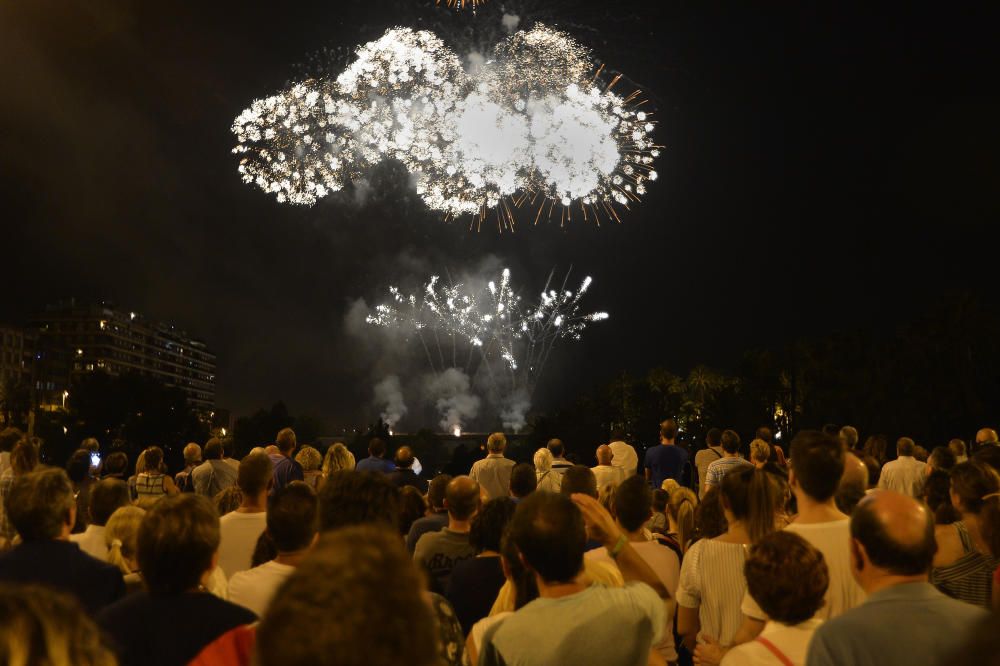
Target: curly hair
[
  {"x": 357, "y": 498},
  {"x": 309, "y": 458},
  {"x": 489, "y": 525},
  {"x": 787, "y": 577},
  {"x": 177, "y": 539},
  {"x": 337, "y": 458}
]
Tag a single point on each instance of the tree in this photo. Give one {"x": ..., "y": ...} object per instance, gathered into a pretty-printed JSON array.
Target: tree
[{"x": 260, "y": 428}]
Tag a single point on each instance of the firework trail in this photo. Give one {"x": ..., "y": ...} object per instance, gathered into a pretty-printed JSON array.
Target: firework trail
[{"x": 533, "y": 124}]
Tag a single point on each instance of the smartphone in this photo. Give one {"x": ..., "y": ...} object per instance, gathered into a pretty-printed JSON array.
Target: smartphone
[{"x": 95, "y": 459}]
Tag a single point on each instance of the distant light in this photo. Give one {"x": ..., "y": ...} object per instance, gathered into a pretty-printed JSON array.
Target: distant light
[
  {"x": 103, "y": 324},
  {"x": 223, "y": 431},
  {"x": 131, "y": 315},
  {"x": 457, "y": 431},
  {"x": 777, "y": 435},
  {"x": 79, "y": 352}
]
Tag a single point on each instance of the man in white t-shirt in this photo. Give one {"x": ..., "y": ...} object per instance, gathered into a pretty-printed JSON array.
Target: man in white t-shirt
[
  {"x": 241, "y": 528},
  {"x": 817, "y": 465},
  {"x": 624, "y": 455},
  {"x": 905, "y": 474},
  {"x": 292, "y": 526},
  {"x": 605, "y": 472},
  {"x": 632, "y": 507}
]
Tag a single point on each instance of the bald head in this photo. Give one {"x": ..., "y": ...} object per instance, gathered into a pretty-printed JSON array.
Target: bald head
[
  {"x": 461, "y": 498},
  {"x": 897, "y": 533},
  {"x": 986, "y": 436},
  {"x": 604, "y": 454},
  {"x": 853, "y": 483}
]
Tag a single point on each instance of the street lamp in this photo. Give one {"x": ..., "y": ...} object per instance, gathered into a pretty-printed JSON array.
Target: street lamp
[{"x": 64, "y": 396}]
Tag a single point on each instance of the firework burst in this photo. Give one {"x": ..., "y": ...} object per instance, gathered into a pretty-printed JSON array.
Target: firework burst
[{"x": 533, "y": 124}]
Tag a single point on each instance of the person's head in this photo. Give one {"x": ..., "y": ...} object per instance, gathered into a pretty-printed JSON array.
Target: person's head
[
  {"x": 713, "y": 437},
  {"x": 970, "y": 483},
  {"x": 490, "y": 523},
  {"x": 106, "y": 497},
  {"x": 760, "y": 452},
  {"x": 78, "y": 466},
  {"x": 817, "y": 464},
  {"x": 543, "y": 460},
  {"x": 633, "y": 503},
  {"x": 920, "y": 453},
  {"x": 116, "y": 464},
  {"x": 213, "y": 449},
  {"x": 358, "y": 498},
  {"x": 154, "y": 458},
  {"x": 285, "y": 441},
  {"x": 682, "y": 505},
  {"x": 670, "y": 485},
  {"x": 404, "y": 457},
  {"x": 937, "y": 496},
  {"x": 309, "y": 459},
  {"x": 255, "y": 475},
  {"x": 660, "y": 499},
  {"x": 853, "y": 483},
  {"x": 178, "y": 543},
  {"x": 875, "y": 448},
  {"x": 765, "y": 434},
  {"x": 523, "y": 580},
  {"x": 941, "y": 458},
  {"x": 436, "y": 490},
  {"x": 989, "y": 456},
  {"x": 291, "y": 517},
  {"x": 496, "y": 442},
  {"x": 986, "y": 436},
  {"x": 957, "y": 447},
  {"x": 905, "y": 446},
  {"x": 461, "y": 498},
  {"x": 24, "y": 457},
  {"x": 787, "y": 577},
  {"x": 831, "y": 429},
  {"x": 891, "y": 535},
  {"x": 618, "y": 434},
  {"x": 192, "y": 454},
  {"x": 668, "y": 431},
  {"x": 556, "y": 448},
  {"x": 549, "y": 533},
  {"x": 364, "y": 578},
  {"x": 41, "y": 505},
  {"x": 337, "y": 458},
  {"x": 41, "y": 626},
  {"x": 522, "y": 480},
  {"x": 604, "y": 455},
  {"x": 752, "y": 497},
  {"x": 709, "y": 518},
  {"x": 730, "y": 441},
  {"x": 989, "y": 522},
  {"x": 272, "y": 450},
  {"x": 579, "y": 479},
  {"x": 376, "y": 447},
  {"x": 411, "y": 508},
  {"x": 8, "y": 438},
  {"x": 91, "y": 444},
  {"x": 849, "y": 437},
  {"x": 120, "y": 536},
  {"x": 228, "y": 500}
]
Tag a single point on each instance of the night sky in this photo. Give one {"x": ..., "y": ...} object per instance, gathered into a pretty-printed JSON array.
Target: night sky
[{"x": 827, "y": 167}]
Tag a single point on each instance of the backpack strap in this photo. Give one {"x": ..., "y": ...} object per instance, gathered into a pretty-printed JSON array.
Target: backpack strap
[{"x": 773, "y": 649}]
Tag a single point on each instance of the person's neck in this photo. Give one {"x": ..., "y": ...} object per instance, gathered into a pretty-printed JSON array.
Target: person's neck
[
  {"x": 737, "y": 533},
  {"x": 255, "y": 504},
  {"x": 462, "y": 526},
  {"x": 635, "y": 536},
  {"x": 811, "y": 511},
  {"x": 557, "y": 590},
  {"x": 668, "y": 442},
  {"x": 494, "y": 454},
  {"x": 292, "y": 558},
  {"x": 727, "y": 454},
  {"x": 883, "y": 581}
]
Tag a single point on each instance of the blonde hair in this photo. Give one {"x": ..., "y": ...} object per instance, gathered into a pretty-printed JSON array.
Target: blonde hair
[
  {"x": 606, "y": 496},
  {"x": 670, "y": 485},
  {"x": 41, "y": 626},
  {"x": 140, "y": 462},
  {"x": 337, "y": 458},
  {"x": 543, "y": 460},
  {"x": 120, "y": 534},
  {"x": 681, "y": 505},
  {"x": 760, "y": 451},
  {"x": 309, "y": 458}
]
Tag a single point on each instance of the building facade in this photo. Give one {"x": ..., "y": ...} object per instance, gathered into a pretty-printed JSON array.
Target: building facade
[{"x": 74, "y": 339}]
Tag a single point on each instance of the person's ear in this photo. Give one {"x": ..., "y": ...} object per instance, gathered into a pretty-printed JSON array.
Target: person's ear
[{"x": 858, "y": 555}]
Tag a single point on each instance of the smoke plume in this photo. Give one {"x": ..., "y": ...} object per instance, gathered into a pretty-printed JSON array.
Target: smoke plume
[
  {"x": 454, "y": 402},
  {"x": 389, "y": 398}
]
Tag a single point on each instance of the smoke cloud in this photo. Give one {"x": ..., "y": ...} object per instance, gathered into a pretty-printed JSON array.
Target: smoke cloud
[
  {"x": 454, "y": 402},
  {"x": 510, "y": 22},
  {"x": 514, "y": 412},
  {"x": 389, "y": 398}
]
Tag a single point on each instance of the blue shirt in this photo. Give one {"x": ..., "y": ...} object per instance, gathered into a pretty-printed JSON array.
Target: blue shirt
[
  {"x": 373, "y": 464},
  {"x": 666, "y": 462},
  {"x": 286, "y": 470}
]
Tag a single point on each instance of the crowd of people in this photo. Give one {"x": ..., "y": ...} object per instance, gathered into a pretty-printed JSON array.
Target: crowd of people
[{"x": 832, "y": 552}]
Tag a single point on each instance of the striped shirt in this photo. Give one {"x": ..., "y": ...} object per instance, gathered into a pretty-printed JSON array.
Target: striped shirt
[
  {"x": 721, "y": 467},
  {"x": 712, "y": 581},
  {"x": 970, "y": 577}
]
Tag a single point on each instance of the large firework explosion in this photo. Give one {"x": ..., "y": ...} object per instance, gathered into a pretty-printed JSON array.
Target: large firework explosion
[{"x": 533, "y": 123}]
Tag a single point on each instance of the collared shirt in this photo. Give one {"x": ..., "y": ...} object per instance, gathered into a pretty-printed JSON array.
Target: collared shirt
[
  {"x": 608, "y": 475},
  {"x": 792, "y": 641},
  {"x": 91, "y": 541},
  {"x": 721, "y": 467},
  {"x": 493, "y": 474},
  {"x": 911, "y": 623},
  {"x": 905, "y": 475},
  {"x": 624, "y": 456},
  {"x": 286, "y": 470}
]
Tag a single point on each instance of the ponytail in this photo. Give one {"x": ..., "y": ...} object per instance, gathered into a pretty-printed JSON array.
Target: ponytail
[
  {"x": 754, "y": 499},
  {"x": 682, "y": 506},
  {"x": 116, "y": 557}
]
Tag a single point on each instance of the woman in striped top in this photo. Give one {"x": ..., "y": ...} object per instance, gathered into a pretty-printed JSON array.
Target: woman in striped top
[
  {"x": 151, "y": 483},
  {"x": 964, "y": 565},
  {"x": 712, "y": 585}
]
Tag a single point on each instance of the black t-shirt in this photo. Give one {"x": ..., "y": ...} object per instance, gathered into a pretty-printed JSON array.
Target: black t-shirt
[
  {"x": 473, "y": 587},
  {"x": 168, "y": 630}
]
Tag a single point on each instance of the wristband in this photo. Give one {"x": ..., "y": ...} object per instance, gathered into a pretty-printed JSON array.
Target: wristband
[{"x": 614, "y": 552}]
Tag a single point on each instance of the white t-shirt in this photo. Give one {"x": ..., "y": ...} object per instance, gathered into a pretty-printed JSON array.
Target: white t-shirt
[
  {"x": 793, "y": 642},
  {"x": 833, "y": 540},
  {"x": 663, "y": 561},
  {"x": 608, "y": 474},
  {"x": 624, "y": 456},
  {"x": 254, "y": 588},
  {"x": 240, "y": 532},
  {"x": 712, "y": 581},
  {"x": 91, "y": 541}
]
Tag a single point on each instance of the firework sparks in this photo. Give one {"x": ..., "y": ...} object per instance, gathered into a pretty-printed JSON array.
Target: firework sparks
[
  {"x": 462, "y": 4},
  {"x": 532, "y": 123}
]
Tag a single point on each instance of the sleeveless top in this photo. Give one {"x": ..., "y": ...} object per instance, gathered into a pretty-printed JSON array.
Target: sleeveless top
[
  {"x": 149, "y": 485},
  {"x": 970, "y": 577}
]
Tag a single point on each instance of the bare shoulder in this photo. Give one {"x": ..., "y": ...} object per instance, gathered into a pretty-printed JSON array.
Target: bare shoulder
[{"x": 949, "y": 545}]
